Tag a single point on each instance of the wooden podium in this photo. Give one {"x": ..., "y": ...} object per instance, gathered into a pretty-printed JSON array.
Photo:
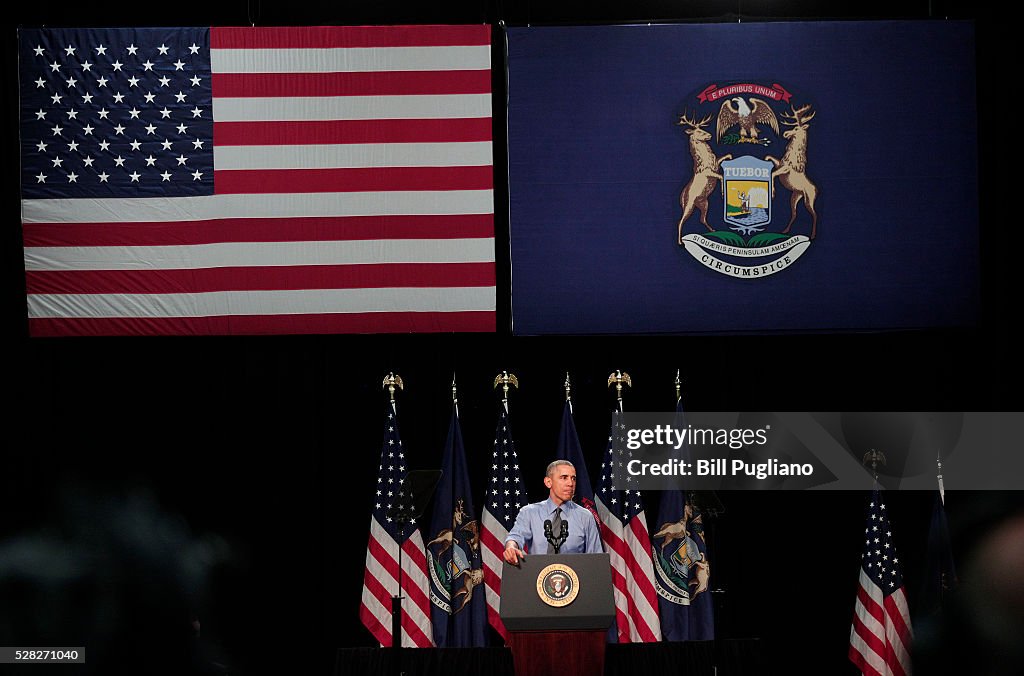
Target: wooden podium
[{"x": 557, "y": 609}]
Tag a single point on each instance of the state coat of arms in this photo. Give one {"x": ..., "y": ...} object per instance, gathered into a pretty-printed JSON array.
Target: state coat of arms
[{"x": 736, "y": 180}]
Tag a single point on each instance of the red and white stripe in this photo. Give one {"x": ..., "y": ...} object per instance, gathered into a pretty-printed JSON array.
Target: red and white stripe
[
  {"x": 353, "y": 180},
  {"x": 492, "y": 541},
  {"x": 636, "y": 600},
  {"x": 380, "y": 583},
  {"x": 881, "y": 635}
]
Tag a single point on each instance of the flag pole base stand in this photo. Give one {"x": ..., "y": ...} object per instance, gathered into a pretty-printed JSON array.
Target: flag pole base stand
[{"x": 569, "y": 653}]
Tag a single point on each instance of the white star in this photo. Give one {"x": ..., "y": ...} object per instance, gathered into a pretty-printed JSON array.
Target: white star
[
  {"x": 72, "y": 177},
  {"x": 150, "y": 129},
  {"x": 135, "y": 144},
  {"x": 54, "y": 67},
  {"x": 56, "y": 98},
  {"x": 193, "y": 48},
  {"x": 73, "y": 146},
  {"x": 198, "y": 144},
  {"x": 102, "y": 82},
  {"x": 41, "y": 146},
  {"x": 40, "y": 114},
  {"x": 180, "y": 96},
  {"x": 72, "y": 114},
  {"x": 181, "y": 160},
  {"x": 118, "y": 97},
  {"x": 118, "y": 129},
  {"x": 134, "y": 112},
  {"x": 72, "y": 82},
  {"x": 104, "y": 145},
  {"x": 166, "y": 144},
  {"x": 117, "y": 65},
  {"x": 103, "y": 176},
  {"x": 41, "y": 178},
  {"x": 194, "y": 80},
  {"x": 162, "y": 49},
  {"x": 197, "y": 175},
  {"x": 101, "y": 50},
  {"x": 57, "y": 131},
  {"x": 134, "y": 176},
  {"x": 149, "y": 97},
  {"x": 164, "y": 114},
  {"x": 87, "y": 98},
  {"x": 164, "y": 81},
  {"x": 69, "y": 50},
  {"x": 86, "y": 65},
  {"x": 87, "y": 129},
  {"x": 40, "y": 83},
  {"x": 166, "y": 175},
  {"x": 179, "y": 65},
  {"x": 57, "y": 162},
  {"x": 88, "y": 161},
  {"x": 133, "y": 81},
  {"x": 39, "y": 51},
  {"x": 147, "y": 65},
  {"x": 103, "y": 113},
  {"x": 150, "y": 161},
  {"x": 132, "y": 49},
  {"x": 119, "y": 161}
]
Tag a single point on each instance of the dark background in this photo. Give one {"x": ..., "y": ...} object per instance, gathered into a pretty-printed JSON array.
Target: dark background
[{"x": 135, "y": 469}]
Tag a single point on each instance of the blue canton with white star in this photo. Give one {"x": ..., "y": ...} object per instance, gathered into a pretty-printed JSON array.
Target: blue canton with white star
[
  {"x": 116, "y": 112},
  {"x": 617, "y": 489},
  {"x": 879, "y": 559},
  {"x": 505, "y": 493},
  {"x": 390, "y": 475}
]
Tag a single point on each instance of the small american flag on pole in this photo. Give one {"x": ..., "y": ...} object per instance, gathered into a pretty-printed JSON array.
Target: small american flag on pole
[
  {"x": 503, "y": 498},
  {"x": 628, "y": 542},
  {"x": 881, "y": 635},
  {"x": 257, "y": 180}
]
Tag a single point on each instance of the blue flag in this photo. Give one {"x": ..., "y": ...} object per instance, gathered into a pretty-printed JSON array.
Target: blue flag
[
  {"x": 940, "y": 578},
  {"x": 682, "y": 567},
  {"x": 569, "y": 449},
  {"x": 457, "y": 607},
  {"x": 721, "y": 177}
]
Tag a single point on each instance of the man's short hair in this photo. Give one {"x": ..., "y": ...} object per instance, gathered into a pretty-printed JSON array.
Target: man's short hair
[{"x": 551, "y": 467}]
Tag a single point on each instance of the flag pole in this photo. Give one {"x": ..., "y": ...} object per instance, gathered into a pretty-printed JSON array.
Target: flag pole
[
  {"x": 874, "y": 457},
  {"x": 568, "y": 391},
  {"x": 679, "y": 387},
  {"x": 392, "y": 382},
  {"x": 942, "y": 488}
]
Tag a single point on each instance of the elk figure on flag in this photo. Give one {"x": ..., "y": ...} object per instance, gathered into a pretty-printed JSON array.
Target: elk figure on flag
[
  {"x": 453, "y": 555},
  {"x": 504, "y": 496},
  {"x": 881, "y": 635},
  {"x": 380, "y": 580},
  {"x": 682, "y": 566},
  {"x": 627, "y": 539}
]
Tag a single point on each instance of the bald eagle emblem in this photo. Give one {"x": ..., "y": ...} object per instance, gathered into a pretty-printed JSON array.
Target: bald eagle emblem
[{"x": 736, "y": 112}]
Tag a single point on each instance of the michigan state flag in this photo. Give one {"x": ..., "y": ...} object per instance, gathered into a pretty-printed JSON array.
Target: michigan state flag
[
  {"x": 457, "y": 607},
  {"x": 722, "y": 177},
  {"x": 569, "y": 449},
  {"x": 682, "y": 567}
]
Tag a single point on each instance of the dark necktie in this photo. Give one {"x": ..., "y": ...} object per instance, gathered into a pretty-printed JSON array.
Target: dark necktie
[{"x": 556, "y": 523}]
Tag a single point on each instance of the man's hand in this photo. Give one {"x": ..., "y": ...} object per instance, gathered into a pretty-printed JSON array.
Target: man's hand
[{"x": 513, "y": 554}]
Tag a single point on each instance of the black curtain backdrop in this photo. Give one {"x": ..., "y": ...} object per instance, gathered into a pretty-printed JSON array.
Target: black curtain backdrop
[{"x": 150, "y": 482}]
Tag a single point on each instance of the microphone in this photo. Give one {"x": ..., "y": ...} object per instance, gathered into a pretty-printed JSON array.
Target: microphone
[{"x": 547, "y": 534}]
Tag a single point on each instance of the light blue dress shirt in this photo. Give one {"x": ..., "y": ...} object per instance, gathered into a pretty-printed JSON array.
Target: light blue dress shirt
[{"x": 528, "y": 532}]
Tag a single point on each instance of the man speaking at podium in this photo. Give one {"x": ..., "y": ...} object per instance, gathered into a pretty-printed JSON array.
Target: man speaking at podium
[{"x": 557, "y": 525}]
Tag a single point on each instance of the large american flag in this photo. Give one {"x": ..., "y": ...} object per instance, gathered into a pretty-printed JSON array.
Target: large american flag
[
  {"x": 380, "y": 581},
  {"x": 628, "y": 542},
  {"x": 257, "y": 180},
  {"x": 504, "y": 496},
  {"x": 881, "y": 635}
]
